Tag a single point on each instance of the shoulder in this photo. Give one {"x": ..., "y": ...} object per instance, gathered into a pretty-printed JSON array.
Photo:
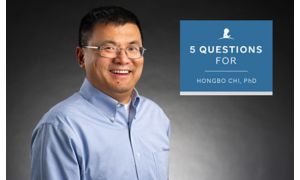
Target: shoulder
[
  {"x": 59, "y": 113},
  {"x": 59, "y": 122}
]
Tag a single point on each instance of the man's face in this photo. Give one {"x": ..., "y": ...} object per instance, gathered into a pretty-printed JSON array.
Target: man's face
[{"x": 114, "y": 76}]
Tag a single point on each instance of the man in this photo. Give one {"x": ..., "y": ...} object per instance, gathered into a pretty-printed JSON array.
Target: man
[{"x": 106, "y": 131}]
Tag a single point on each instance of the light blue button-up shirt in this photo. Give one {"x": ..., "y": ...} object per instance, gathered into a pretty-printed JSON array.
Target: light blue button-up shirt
[{"x": 89, "y": 136}]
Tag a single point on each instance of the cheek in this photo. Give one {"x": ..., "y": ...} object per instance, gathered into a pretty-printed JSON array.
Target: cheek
[
  {"x": 139, "y": 68},
  {"x": 96, "y": 68},
  {"x": 141, "y": 65},
  {"x": 101, "y": 66},
  {"x": 89, "y": 63}
]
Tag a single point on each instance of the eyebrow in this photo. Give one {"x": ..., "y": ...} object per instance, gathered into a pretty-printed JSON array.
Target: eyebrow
[
  {"x": 135, "y": 42},
  {"x": 115, "y": 43}
]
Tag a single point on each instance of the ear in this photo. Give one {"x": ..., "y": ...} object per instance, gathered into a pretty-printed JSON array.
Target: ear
[{"x": 80, "y": 57}]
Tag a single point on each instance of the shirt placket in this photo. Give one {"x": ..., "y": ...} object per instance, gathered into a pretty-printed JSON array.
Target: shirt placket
[
  {"x": 122, "y": 117},
  {"x": 137, "y": 154}
]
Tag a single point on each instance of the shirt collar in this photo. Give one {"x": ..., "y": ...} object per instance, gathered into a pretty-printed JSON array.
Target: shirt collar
[{"x": 103, "y": 102}]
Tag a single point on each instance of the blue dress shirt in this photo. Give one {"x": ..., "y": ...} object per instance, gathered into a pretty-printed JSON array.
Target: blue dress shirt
[{"x": 89, "y": 136}]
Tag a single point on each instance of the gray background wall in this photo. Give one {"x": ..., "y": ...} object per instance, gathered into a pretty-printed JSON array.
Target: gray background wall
[{"x": 213, "y": 138}]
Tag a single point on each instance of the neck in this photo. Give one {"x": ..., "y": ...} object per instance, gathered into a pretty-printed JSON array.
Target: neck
[{"x": 121, "y": 97}]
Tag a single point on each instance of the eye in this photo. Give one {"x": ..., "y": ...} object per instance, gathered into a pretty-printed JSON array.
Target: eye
[
  {"x": 133, "y": 49},
  {"x": 108, "y": 48}
]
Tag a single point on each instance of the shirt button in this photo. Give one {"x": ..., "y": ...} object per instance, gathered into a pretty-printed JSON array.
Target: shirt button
[{"x": 138, "y": 155}]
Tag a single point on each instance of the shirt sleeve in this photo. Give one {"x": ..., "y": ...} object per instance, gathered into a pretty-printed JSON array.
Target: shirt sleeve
[{"x": 53, "y": 154}]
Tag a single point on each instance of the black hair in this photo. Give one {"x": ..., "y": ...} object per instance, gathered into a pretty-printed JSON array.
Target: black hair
[{"x": 105, "y": 15}]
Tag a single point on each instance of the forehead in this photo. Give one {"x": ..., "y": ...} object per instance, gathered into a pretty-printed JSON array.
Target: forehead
[{"x": 122, "y": 34}]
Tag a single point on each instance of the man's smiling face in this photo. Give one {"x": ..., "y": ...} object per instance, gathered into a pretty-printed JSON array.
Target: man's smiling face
[{"x": 114, "y": 76}]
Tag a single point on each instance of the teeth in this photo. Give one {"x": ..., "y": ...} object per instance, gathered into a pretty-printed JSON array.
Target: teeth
[{"x": 120, "y": 71}]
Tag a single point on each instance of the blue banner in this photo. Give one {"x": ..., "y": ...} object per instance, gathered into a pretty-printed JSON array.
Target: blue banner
[{"x": 226, "y": 57}]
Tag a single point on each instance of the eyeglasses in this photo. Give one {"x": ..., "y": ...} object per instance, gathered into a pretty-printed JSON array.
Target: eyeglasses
[{"x": 110, "y": 51}]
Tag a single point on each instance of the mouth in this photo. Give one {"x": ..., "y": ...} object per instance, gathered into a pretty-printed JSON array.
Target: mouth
[{"x": 121, "y": 71}]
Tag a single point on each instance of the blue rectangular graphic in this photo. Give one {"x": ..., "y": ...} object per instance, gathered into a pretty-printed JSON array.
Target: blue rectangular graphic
[{"x": 226, "y": 57}]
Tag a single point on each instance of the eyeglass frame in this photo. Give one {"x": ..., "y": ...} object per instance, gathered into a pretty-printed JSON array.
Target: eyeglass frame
[{"x": 142, "y": 50}]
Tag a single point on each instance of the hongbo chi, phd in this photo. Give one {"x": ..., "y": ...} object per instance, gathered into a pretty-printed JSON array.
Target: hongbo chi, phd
[{"x": 231, "y": 80}]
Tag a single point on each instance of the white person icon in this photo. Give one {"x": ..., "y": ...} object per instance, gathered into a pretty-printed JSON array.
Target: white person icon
[{"x": 226, "y": 34}]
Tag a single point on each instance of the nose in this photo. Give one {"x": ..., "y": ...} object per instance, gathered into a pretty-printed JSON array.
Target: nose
[{"x": 122, "y": 58}]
